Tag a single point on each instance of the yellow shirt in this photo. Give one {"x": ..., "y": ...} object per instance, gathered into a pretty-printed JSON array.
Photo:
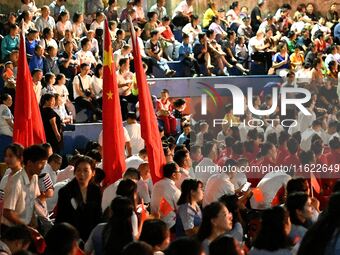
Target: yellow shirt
[{"x": 207, "y": 17}]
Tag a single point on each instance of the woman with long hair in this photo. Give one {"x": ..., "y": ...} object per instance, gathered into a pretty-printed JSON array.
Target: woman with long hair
[
  {"x": 273, "y": 236},
  {"x": 63, "y": 24},
  {"x": 111, "y": 237},
  {"x": 189, "y": 213},
  {"x": 216, "y": 221},
  {"x": 225, "y": 245}
]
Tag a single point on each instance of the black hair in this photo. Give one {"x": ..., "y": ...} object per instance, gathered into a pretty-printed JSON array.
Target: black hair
[
  {"x": 210, "y": 212},
  {"x": 231, "y": 202},
  {"x": 54, "y": 158},
  {"x": 85, "y": 159},
  {"x": 180, "y": 156},
  {"x": 154, "y": 232},
  {"x": 127, "y": 188},
  {"x": 16, "y": 149},
  {"x": 4, "y": 97},
  {"x": 132, "y": 174},
  {"x": 223, "y": 245},
  {"x": 292, "y": 145},
  {"x": 76, "y": 16},
  {"x": 317, "y": 239},
  {"x": 265, "y": 148},
  {"x": 297, "y": 185},
  {"x": 184, "y": 245},
  {"x": 132, "y": 115},
  {"x": 272, "y": 235},
  {"x": 94, "y": 154},
  {"x": 34, "y": 154},
  {"x": 118, "y": 231},
  {"x": 137, "y": 247},
  {"x": 169, "y": 169},
  {"x": 18, "y": 233},
  {"x": 306, "y": 157},
  {"x": 96, "y": 70},
  {"x": 84, "y": 41},
  {"x": 187, "y": 187},
  {"x": 296, "y": 201},
  {"x": 60, "y": 239}
]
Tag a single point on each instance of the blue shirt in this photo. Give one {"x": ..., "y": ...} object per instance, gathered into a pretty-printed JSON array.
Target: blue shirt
[
  {"x": 182, "y": 139},
  {"x": 8, "y": 44},
  {"x": 30, "y": 46},
  {"x": 36, "y": 62},
  {"x": 337, "y": 31},
  {"x": 184, "y": 51},
  {"x": 278, "y": 59}
]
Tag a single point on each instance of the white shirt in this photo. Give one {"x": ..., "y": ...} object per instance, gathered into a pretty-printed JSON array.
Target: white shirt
[
  {"x": 144, "y": 188},
  {"x": 46, "y": 43},
  {"x": 306, "y": 138},
  {"x": 134, "y": 161},
  {"x": 271, "y": 129},
  {"x": 85, "y": 81},
  {"x": 109, "y": 194},
  {"x": 48, "y": 170},
  {"x": 192, "y": 32},
  {"x": 205, "y": 169},
  {"x": 52, "y": 202},
  {"x": 97, "y": 86},
  {"x": 4, "y": 179},
  {"x": 37, "y": 90},
  {"x": 305, "y": 121},
  {"x": 218, "y": 185},
  {"x": 269, "y": 185},
  {"x": 166, "y": 189},
  {"x": 20, "y": 194},
  {"x": 66, "y": 173},
  {"x": 254, "y": 42},
  {"x": 136, "y": 140},
  {"x": 5, "y": 115},
  {"x": 85, "y": 57},
  {"x": 141, "y": 46},
  {"x": 96, "y": 25},
  {"x": 126, "y": 136},
  {"x": 183, "y": 7},
  {"x": 62, "y": 91},
  {"x": 184, "y": 175}
]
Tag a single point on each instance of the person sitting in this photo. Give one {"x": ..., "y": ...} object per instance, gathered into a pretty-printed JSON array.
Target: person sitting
[
  {"x": 83, "y": 93},
  {"x": 85, "y": 55},
  {"x": 10, "y": 42},
  {"x": 17, "y": 238},
  {"x": 154, "y": 51},
  {"x": 186, "y": 56},
  {"x": 45, "y": 20},
  {"x": 164, "y": 113},
  {"x": 37, "y": 61}
]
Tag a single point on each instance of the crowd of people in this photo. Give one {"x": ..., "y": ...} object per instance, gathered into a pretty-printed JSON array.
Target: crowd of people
[{"x": 206, "y": 203}]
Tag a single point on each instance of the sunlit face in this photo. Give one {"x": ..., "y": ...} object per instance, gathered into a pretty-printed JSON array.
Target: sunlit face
[
  {"x": 84, "y": 174},
  {"x": 11, "y": 160},
  {"x": 310, "y": 8}
]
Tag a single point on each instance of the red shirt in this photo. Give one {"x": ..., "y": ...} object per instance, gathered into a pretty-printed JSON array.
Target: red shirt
[
  {"x": 333, "y": 158},
  {"x": 167, "y": 33},
  {"x": 282, "y": 154}
]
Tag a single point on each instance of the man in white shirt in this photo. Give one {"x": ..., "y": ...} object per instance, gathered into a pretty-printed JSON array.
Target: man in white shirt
[
  {"x": 220, "y": 184},
  {"x": 182, "y": 13},
  {"x": 53, "y": 165},
  {"x": 274, "y": 126},
  {"x": 306, "y": 136},
  {"x": 134, "y": 130},
  {"x": 159, "y": 8},
  {"x": 22, "y": 189},
  {"x": 37, "y": 76},
  {"x": 110, "y": 191},
  {"x": 144, "y": 185},
  {"x": 206, "y": 167},
  {"x": 166, "y": 191},
  {"x": 83, "y": 92},
  {"x": 136, "y": 160},
  {"x": 183, "y": 160},
  {"x": 45, "y": 20}
]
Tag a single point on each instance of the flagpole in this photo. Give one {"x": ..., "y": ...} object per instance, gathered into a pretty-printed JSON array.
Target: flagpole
[{"x": 311, "y": 186}]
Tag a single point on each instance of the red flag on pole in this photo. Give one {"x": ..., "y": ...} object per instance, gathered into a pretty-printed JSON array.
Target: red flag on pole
[
  {"x": 148, "y": 119},
  {"x": 113, "y": 133},
  {"x": 28, "y": 126}
]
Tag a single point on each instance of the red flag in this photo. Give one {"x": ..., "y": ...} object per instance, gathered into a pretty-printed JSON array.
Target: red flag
[
  {"x": 113, "y": 133},
  {"x": 148, "y": 120},
  {"x": 28, "y": 126},
  {"x": 314, "y": 183},
  {"x": 164, "y": 207}
]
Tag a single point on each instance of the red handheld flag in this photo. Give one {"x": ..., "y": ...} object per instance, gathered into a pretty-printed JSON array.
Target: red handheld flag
[
  {"x": 164, "y": 207},
  {"x": 258, "y": 195},
  {"x": 148, "y": 118},
  {"x": 113, "y": 133},
  {"x": 314, "y": 183},
  {"x": 28, "y": 126}
]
